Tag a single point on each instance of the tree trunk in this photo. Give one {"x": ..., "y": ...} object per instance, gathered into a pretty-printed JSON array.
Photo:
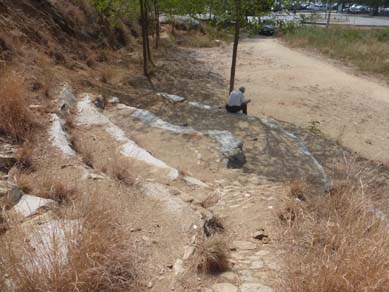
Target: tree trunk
[
  {"x": 144, "y": 38},
  {"x": 146, "y": 13},
  {"x": 157, "y": 24},
  {"x": 236, "y": 43},
  {"x": 328, "y": 18}
]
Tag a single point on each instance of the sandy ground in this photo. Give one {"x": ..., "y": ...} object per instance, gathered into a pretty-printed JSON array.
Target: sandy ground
[{"x": 300, "y": 88}]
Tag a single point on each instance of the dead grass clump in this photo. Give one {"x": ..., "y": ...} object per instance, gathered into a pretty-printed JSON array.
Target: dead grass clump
[
  {"x": 297, "y": 190},
  {"x": 213, "y": 226},
  {"x": 122, "y": 174},
  {"x": 87, "y": 250},
  {"x": 60, "y": 192},
  {"x": 16, "y": 120},
  {"x": 24, "y": 160},
  {"x": 337, "y": 242},
  {"x": 211, "y": 256},
  {"x": 107, "y": 75}
]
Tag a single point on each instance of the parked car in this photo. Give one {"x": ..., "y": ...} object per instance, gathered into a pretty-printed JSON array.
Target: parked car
[
  {"x": 356, "y": 8},
  {"x": 267, "y": 29}
]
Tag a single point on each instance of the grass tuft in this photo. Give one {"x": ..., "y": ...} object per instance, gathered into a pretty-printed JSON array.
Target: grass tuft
[
  {"x": 211, "y": 256},
  {"x": 16, "y": 120}
]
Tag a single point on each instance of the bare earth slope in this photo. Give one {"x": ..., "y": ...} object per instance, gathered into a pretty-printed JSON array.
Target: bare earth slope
[{"x": 299, "y": 89}]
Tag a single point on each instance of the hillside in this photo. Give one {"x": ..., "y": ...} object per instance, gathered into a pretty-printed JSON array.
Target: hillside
[{"x": 111, "y": 181}]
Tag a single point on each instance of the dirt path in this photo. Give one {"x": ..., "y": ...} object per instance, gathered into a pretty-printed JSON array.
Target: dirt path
[{"x": 297, "y": 88}]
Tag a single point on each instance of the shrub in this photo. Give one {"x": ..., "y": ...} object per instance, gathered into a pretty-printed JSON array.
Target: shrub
[
  {"x": 16, "y": 120},
  {"x": 211, "y": 256},
  {"x": 336, "y": 242}
]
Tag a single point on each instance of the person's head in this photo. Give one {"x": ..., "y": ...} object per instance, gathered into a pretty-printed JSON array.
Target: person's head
[{"x": 242, "y": 89}]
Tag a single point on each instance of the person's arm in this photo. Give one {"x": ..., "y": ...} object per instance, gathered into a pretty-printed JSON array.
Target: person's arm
[{"x": 243, "y": 100}]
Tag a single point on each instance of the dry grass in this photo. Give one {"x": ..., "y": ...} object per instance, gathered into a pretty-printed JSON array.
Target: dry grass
[
  {"x": 16, "y": 120},
  {"x": 336, "y": 242},
  {"x": 24, "y": 158},
  {"x": 366, "y": 49},
  {"x": 60, "y": 192},
  {"x": 211, "y": 256},
  {"x": 98, "y": 251}
]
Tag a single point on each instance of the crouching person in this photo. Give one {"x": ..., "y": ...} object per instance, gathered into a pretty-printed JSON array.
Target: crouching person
[{"x": 236, "y": 101}]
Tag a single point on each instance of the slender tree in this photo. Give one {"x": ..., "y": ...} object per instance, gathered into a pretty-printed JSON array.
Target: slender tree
[
  {"x": 157, "y": 23},
  {"x": 236, "y": 43},
  {"x": 144, "y": 37}
]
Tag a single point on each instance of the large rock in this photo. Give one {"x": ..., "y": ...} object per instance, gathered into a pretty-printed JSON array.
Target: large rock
[
  {"x": 29, "y": 205},
  {"x": 50, "y": 244},
  {"x": 231, "y": 147}
]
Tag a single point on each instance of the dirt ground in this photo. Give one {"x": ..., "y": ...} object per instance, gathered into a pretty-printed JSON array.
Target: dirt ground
[{"x": 300, "y": 88}]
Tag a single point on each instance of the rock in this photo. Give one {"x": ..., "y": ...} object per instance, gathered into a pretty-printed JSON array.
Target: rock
[
  {"x": 178, "y": 267},
  {"x": 201, "y": 106},
  {"x": 29, "y": 205},
  {"x": 274, "y": 265},
  {"x": 255, "y": 287},
  {"x": 169, "y": 266},
  {"x": 49, "y": 241},
  {"x": 94, "y": 176},
  {"x": 114, "y": 100},
  {"x": 152, "y": 120},
  {"x": 230, "y": 147},
  {"x": 188, "y": 252},
  {"x": 171, "y": 97},
  {"x": 59, "y": 137},
  {"x": 230, "y": 276},
  {"x": 260, "y": 234},
  {"x": 99, "y": 102},
  {"x": 186, "y": 198},
  {"x": 7, "y": 156},
  {"x": 244, "y": 245},
  {"x": 224, "y": 287},
  {"x": 150, "y": 285},
  {"x": 262, "y": 253},
  {"x": 195, "y": 182},
  {"x": 257, "y": 265},
  {"x": 12, "y": 197},
  {"x": 66, "y": 99}
]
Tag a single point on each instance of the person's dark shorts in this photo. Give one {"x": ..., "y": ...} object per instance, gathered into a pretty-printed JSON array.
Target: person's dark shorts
[{"x": 236, "y": 109}]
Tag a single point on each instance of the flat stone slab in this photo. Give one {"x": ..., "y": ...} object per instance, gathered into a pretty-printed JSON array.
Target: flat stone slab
[
  {"x": 58, "y": 136},
  {"x": 224, "y": 287},
  {"x": 201, "y": 106},
  {"x": 230, "y": 276},
  {"x": 49, "y": 241},
  {"x": 257, "y": 265},
  {"x": 244, "y": 245},
  {"x": 28, "y": 205},
  {"x": 194, "y": 182},
  {"x": 255, "y": 287},
  {"x": 171, "y": 97}
]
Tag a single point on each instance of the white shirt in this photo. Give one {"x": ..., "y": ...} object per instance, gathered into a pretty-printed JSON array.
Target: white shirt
[{"x": 236, "y": 98}]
